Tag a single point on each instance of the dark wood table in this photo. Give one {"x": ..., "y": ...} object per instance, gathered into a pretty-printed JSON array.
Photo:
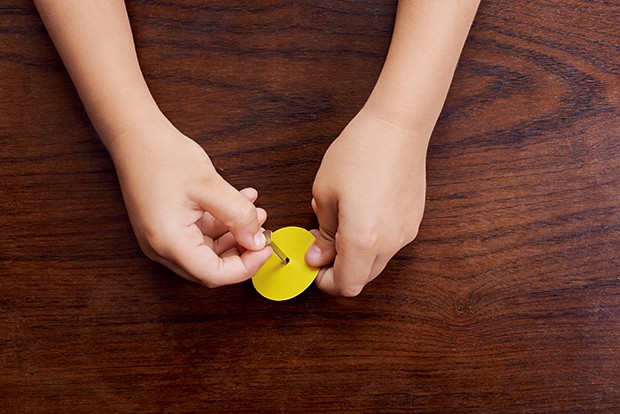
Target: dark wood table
[{"x": 508, "y": 301}]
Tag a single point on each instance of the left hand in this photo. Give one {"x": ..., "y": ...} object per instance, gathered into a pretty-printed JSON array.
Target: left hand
[{"x": 369, "y": 196}]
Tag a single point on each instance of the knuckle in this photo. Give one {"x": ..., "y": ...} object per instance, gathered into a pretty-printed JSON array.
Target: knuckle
[
  {"x": 146, "y": 247},
  {"x": 244, "y": 214},
  {"x": 327, "y": 234},
  {"x": 414, "y": 228},
  {"x": 149, "y": 252},
  {"x": 322, "y": 193},
  {"x": 211, "y": 284},
  {"x": 318, "y": 188},
  {"x": 351, "y": 290},
  {"x": 408, "y": 235}
]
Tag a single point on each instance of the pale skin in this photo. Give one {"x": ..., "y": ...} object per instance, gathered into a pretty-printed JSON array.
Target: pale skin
[{"x": 368, "y": 194}]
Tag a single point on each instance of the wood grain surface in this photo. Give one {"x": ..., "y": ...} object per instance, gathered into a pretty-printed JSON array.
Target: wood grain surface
[{"x": 508, "y": 301}]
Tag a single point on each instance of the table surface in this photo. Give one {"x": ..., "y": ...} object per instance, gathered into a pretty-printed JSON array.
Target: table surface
[{"x": 508, "y": 300}]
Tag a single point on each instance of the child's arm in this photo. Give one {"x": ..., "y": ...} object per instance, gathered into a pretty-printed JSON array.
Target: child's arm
[
  {"x": 369, "y": 191},
  {"x": 183, "y": 213}
]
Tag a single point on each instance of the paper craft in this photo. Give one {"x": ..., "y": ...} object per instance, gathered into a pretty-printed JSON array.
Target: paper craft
[{"x": 282, "y": 281}]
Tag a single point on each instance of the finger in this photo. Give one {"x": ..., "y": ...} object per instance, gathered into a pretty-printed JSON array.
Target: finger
[
  {"x": 214, "y": 229},
  {"x": 250, "y": 193},
  {"x": 351, "y": 271},
  {"x": 318, "y": 280},
  {"x": 176, "y": 269},
  {"x": 326, "y": 211},
  {"x": 325, "y": 281},
  {"x": 323, "y": 249},
  {"x": 224, "y": 243},
  {"x": 344, "y": 279},
  {"x": 230, "y": 252},
  {"x": 233, "y": 210},
  {"x": 210, "y": 226},
  {"x": 378, "y": 266},
  {"x": 211, "y": 270},
  {"x": 185, "y": 252},
  {"x": 237, "y": 251},
  {"x": 262, "y": 215}
]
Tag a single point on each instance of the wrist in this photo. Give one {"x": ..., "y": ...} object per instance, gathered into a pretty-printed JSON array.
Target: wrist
[
  {"x": 137, "y": 131},
  {"x": 118, "y": 108},
  {"x": 372, "y": 131},
  {"x": 389, "y": 109}
]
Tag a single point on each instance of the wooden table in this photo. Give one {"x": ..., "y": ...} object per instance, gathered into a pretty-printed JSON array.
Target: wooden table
[{"x": 508, "y": 301}]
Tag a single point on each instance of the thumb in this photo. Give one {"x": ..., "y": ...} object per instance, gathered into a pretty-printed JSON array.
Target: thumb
[
  {"x": 239, "y": 215},
  {"x": 323, "y": 249}
]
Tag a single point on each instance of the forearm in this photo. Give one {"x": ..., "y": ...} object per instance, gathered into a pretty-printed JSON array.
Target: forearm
[
  {"x": 95, "y": 42},
  {"x": 427, "y": 41}
]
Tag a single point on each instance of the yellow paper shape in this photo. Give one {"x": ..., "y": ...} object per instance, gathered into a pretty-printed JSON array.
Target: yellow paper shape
[{"x": 279, "y": 281}]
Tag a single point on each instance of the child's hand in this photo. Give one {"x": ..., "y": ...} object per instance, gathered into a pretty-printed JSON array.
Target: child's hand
[
  {"x": 369, "y": 199},
  {"x": 184, "y": 214}
]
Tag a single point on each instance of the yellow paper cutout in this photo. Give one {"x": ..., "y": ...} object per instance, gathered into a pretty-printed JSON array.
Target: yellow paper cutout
[{"x": 279, "y": 281}]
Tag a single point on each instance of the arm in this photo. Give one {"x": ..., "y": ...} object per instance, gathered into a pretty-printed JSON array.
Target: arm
[
  {"x": 370, "y": 189},
  {"x": 183, "y": 213}
]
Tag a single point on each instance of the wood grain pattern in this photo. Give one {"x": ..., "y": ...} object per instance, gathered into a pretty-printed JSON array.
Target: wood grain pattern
[{"x": 508, "y": 301}]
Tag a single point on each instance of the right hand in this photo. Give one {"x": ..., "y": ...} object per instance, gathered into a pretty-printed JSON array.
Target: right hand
[
  {"x": 184, "y": 214},
  {"x": 369, "y": 196}
]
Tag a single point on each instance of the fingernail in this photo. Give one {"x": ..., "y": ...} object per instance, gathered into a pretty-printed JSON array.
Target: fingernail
[
  {"x": 314, "y": 253},
  {"x": 259, "y": 240}
]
